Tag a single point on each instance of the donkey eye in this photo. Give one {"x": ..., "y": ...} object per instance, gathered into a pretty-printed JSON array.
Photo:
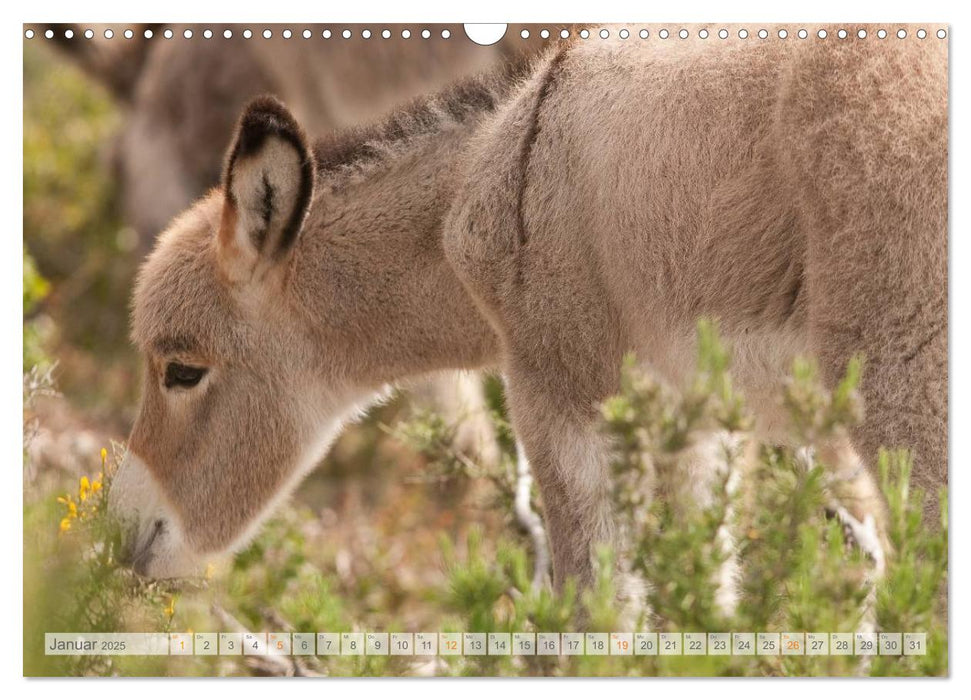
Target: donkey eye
[{"x": 182, "y": 375}]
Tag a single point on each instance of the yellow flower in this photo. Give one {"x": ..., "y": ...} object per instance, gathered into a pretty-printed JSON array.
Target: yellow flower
[
  {"x": 170, "y": 608},
  {"x": 84, "y": 488},
  {"x": 95, "y": 486},
  {"x": 72, "y": 511},
  {"x": 104, "y": 457}
]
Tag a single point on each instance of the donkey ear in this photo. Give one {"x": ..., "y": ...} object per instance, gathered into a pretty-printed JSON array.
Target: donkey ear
[{"x": 268, "y": 186}]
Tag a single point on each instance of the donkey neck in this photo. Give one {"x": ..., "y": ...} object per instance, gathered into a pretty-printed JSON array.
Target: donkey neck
[{"x": 371, "y": 275}]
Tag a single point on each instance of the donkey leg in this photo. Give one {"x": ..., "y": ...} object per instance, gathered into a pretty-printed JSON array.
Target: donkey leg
[
  {"x": 904, "y": 386},
  {"x": 710, "y": 470},
  {"x": 569, "y": 459},
  {"x": 460, "y": 397},
  {"x": 873, "y": 189},
  {"x": 856, "y": 500}
]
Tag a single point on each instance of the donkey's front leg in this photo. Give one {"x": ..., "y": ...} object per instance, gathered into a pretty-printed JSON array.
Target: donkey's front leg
[{"x": 570, "y": 461}]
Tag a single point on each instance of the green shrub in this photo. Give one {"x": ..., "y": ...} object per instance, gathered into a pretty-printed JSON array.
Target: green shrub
[{"x": 797, "y": 569}]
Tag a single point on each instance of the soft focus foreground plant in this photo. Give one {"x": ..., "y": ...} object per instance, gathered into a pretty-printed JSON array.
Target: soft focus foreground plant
[
  {"x": 913, "y": 594},
  {"x": 75, "y": 584},
  {"x": 796, "y": 571},
  {"x": 767, "y": 517}
]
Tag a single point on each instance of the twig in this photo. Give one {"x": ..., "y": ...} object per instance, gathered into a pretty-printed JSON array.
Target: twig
[
  {"x": 274, "y": 618},
  {"x": 265, "y": 665},
  {"x": 529, "y": 520}
]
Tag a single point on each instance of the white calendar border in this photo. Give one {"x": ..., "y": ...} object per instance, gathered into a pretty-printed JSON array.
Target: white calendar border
[{"x": 495, "y": 10}]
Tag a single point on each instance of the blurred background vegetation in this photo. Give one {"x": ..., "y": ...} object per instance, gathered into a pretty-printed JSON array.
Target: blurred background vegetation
[
  {"x": 78, "y": 256},
  {"x": 398, "y": 530}
]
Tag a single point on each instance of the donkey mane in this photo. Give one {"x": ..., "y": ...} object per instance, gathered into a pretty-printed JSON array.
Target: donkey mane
[{"x": 354, "y": 152}]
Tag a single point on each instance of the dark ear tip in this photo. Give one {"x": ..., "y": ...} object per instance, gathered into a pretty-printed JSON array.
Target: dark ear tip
[{"x": 266, "y": 116}]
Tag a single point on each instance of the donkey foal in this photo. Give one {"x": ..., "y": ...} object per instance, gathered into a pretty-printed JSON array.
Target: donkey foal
[{"x": 543, "y": 222}]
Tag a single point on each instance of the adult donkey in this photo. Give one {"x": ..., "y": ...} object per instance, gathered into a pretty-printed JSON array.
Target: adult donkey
[{"x": 545, "y": 222}]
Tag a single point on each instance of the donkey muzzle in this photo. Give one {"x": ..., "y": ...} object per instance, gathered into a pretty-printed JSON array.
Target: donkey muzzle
[{"x": 152, "y": 542}]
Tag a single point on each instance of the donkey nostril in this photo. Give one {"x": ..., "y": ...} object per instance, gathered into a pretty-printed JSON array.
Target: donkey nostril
[{"x": 138, "y": 555}]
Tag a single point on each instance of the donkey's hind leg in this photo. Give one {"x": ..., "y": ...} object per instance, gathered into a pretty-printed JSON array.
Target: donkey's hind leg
[
  {"x": 856, "y": 501},
  {"x": 871, "y": 184}
]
